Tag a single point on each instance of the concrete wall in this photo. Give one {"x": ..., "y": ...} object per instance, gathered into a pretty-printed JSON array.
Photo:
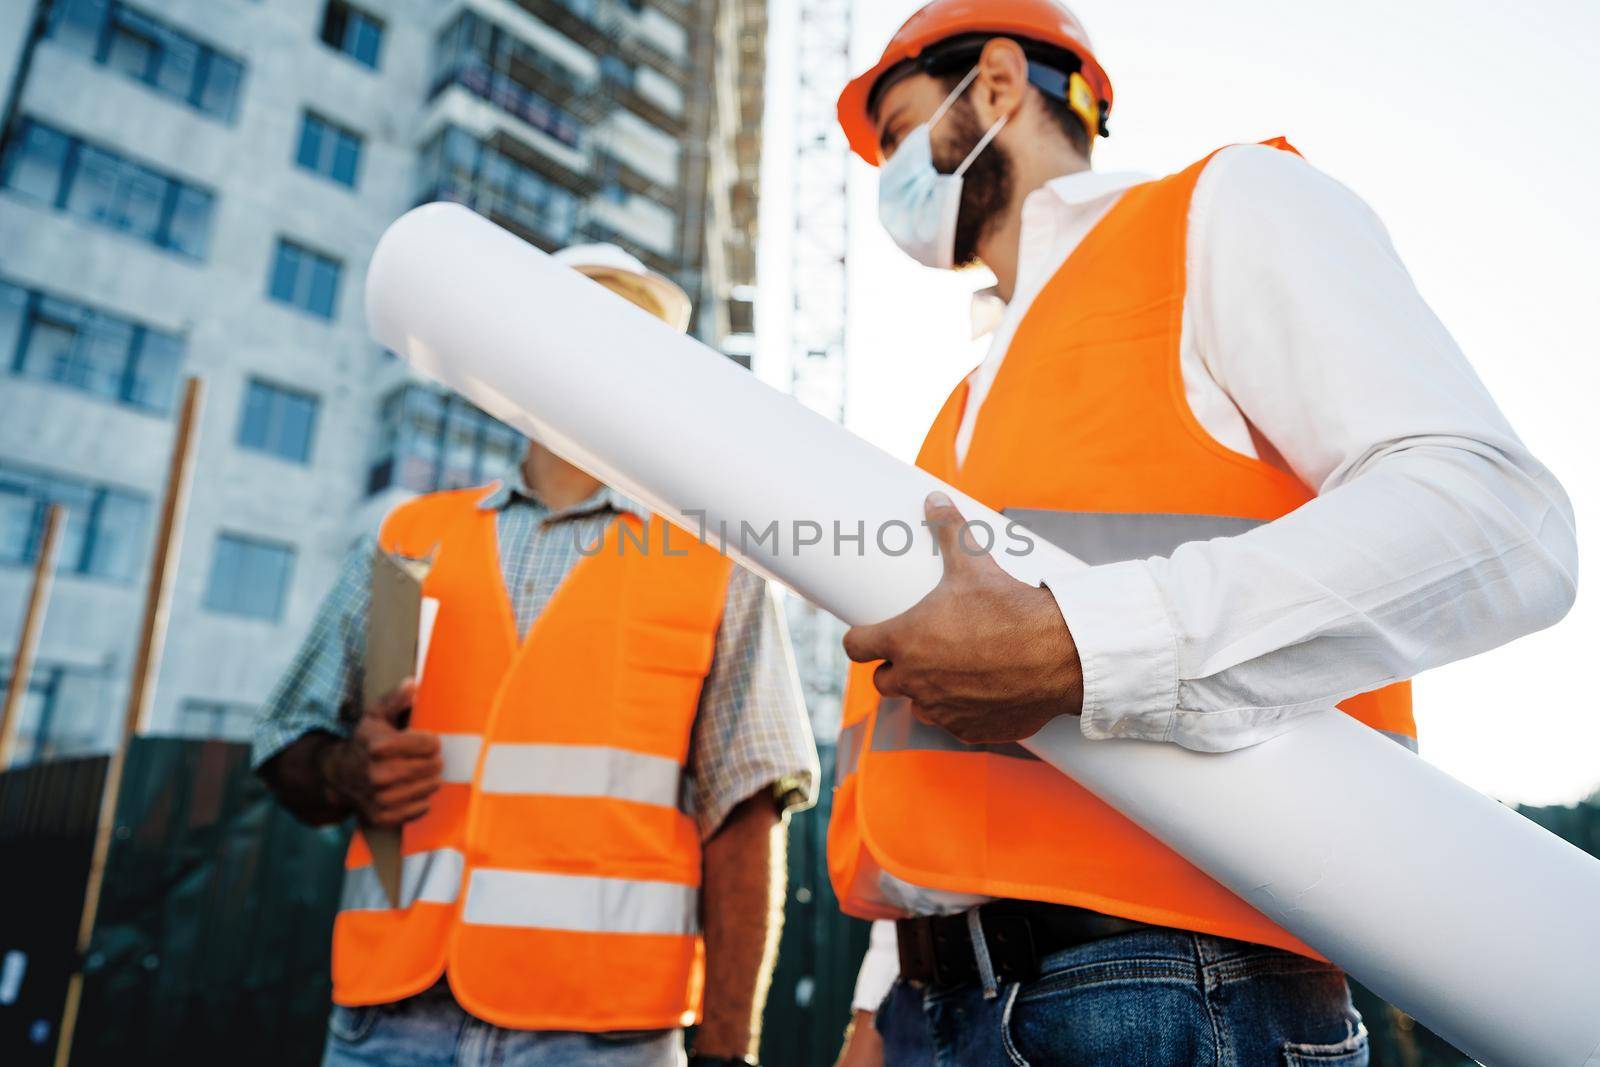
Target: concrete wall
[{"x": 234, "y": 332}]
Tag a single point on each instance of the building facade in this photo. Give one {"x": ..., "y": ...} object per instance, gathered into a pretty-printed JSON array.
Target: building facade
[{"x": 193, "y": 187}]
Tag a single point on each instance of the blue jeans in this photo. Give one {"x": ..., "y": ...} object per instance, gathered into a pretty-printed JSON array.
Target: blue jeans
[
  {"x": 1151, "y": 998},
  {"x": 432, "y": 1030}
]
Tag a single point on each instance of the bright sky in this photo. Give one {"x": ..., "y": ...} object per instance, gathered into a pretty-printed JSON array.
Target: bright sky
[{"x": 1468, "y": 125}]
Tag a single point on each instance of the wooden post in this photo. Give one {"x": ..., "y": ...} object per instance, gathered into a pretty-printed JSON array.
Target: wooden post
[
  {"x": 146, "y": 666},
  {"x": 158, "y": 592},
  {"x": 28, "y": 637}
]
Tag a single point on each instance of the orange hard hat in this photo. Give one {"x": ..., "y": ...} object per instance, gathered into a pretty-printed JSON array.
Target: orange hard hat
[{"x": 1043, "y": 22}]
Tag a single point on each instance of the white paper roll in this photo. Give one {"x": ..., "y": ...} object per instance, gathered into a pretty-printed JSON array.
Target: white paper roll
[{"x": 1476, "y": 921}]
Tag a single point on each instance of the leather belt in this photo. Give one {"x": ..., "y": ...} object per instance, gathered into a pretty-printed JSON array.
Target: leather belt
[{"x": 939, "y": 950}]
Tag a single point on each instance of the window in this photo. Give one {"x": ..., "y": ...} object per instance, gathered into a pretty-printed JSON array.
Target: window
[
  {"x": 77, "y": 24},
  {"x": 588, "y": 9},
  {"x": 105, "y": 189},
  {"x": 104, "y": 532},
  {"x": 63, "y": 711},
  {"x": 37, "y": 711},
  {"x": 308, "y": 280},
  {"x": 216, "y": 718},
  {"x": 456, "y": 166},
  {"x": 353, "y": 32},
  {"x": 611, "y": 187},
  {"x": 108, "y": 189},
  {"x": 149, "y": 51},
  {"x": 616, "y": 71},
  {"x": 429, "y": 441},
  {"x": 188, "y": 227},
  {"x": 329, "y": 149},
  {"x": 220, "y": 85},
  {"x": 35, "y": 160},
  {"x": 13, "y": 309},
  {"x": 59, "y": 341},
  {"x": 249, "y": 578},
  {"x": 278, "y": 421}
]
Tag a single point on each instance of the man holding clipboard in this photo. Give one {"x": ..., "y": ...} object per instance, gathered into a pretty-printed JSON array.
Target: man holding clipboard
[{"x": 570, "y": 822}]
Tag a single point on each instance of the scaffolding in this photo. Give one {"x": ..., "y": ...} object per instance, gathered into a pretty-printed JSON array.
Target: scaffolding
[{"x": 820, "y": 282}]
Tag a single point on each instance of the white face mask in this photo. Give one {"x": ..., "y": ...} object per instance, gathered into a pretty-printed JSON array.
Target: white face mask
[{"x": 918, "y": 205}]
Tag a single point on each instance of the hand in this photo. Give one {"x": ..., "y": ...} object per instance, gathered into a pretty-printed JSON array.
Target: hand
[
  {"x": 985, "y": 656},
  {"x": 863, "y": 1046},
  {"x": 384, "y": 772}
]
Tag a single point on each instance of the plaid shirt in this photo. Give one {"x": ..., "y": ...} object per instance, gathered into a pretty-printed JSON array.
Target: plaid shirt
[{"x": 751, "y": 732}]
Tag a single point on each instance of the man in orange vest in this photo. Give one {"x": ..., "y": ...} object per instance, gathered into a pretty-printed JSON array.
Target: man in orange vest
[
  {"x": 599, "y": 752},
  {"x": 1221, "y": 390}
]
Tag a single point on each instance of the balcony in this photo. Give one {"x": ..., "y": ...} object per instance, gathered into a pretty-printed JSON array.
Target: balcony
[
  {"x": 507, "y": 94},
  {"x": 602, "y": 27},
  {"x": 475, "y": 41},
  {"x": 488, "y": 178}
]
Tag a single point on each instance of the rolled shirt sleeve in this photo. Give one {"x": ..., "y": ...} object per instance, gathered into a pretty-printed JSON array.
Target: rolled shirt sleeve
[
  {"x": 1435, "y": 534},
  {"x": 879, "y": 968},
  {"x": 751, "y": 733},
  {"x": 325, "y": 674}
]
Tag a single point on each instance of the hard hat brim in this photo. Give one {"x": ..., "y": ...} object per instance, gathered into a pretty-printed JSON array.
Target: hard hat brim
[
  {"x": 673, "y": 304},
  {"x": 856, "y": 120}
]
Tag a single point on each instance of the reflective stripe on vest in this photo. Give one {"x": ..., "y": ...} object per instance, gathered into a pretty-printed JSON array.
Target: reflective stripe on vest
[
  {"x": 581, "y": 771},
  {"x": 430, "y": 877},
  {"x": 546, "y": 901},
  {"x": 460, "y": 752},
  {"x": 898, "y": 730},
  {"x": 1098, "y": 538},
  {"x": 533, "y": 770},
  {"x": 847, "y": 751}
]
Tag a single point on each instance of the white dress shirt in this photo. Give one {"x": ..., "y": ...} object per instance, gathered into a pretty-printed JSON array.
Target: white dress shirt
[{"x": 1434, "y": 534}]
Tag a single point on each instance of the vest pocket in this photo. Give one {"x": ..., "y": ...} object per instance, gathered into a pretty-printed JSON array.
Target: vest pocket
[{"x": 667, "y": 648}]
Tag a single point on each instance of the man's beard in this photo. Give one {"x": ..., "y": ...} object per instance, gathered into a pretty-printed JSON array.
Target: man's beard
[{"x": 985, "y": 188}]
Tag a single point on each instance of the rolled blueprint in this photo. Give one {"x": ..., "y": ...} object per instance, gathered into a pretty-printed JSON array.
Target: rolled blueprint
[{"x": 1471, "y": 918}]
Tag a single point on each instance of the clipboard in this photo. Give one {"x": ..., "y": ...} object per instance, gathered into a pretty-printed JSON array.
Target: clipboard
[{"x": 399, "y": 623}]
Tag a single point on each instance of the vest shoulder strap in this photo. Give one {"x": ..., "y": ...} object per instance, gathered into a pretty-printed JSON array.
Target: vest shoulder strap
[
  {"x": 695, "y": 563},
  {"x": 416, "y": 526},
  {"x": 938, "y": 447},
  {"x": 1169, "y": 197}
]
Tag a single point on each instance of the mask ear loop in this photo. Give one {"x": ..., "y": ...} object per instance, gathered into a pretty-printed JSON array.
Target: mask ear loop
[
  {"x": 949, "y": 102},
  {"x": 955, "y": 94},
  {"x": 977, "y": 149}
]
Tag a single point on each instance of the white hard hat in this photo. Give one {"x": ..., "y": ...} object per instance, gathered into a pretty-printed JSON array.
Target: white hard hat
[{"x": 613, "y": 266}]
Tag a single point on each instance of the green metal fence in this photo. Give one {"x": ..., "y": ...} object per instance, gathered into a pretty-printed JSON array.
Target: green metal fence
[
  {"x": 47, "y": 819},
  {"x": 211, "y": 944},
  {"x": 212, "y": 940}
]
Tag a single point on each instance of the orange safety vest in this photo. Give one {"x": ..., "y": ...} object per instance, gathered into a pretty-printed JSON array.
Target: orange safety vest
[
  {"x": 1086, "y": 439},
  {"x": 555, "y": 879}
]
